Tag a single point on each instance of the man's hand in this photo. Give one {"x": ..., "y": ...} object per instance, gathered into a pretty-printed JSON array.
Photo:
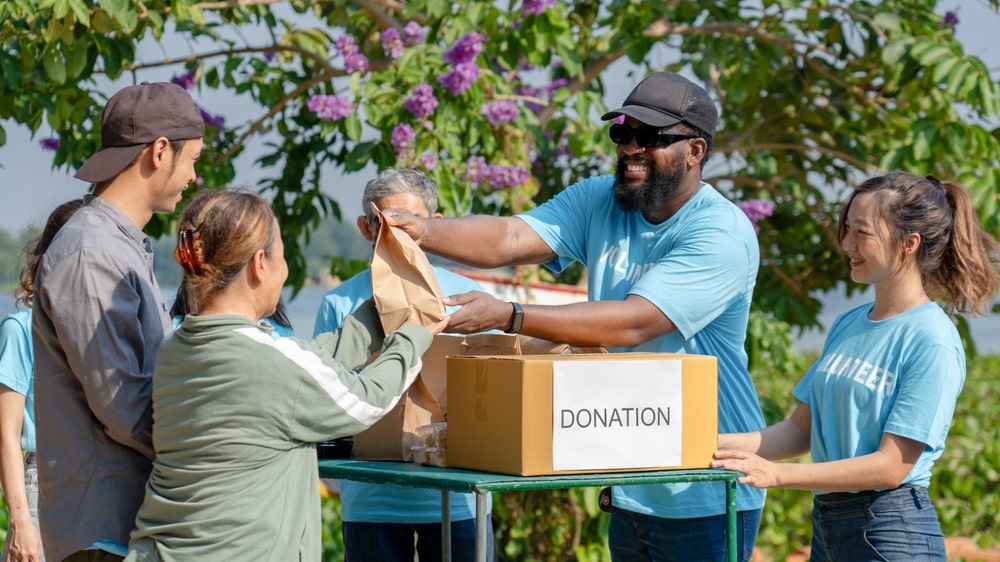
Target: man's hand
[
  {"x": 407, "y": 222},
  {"x": 480, "y": 312}
]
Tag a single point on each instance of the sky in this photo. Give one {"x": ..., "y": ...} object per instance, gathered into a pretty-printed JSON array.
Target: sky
[{"x": 32, "y": 188}]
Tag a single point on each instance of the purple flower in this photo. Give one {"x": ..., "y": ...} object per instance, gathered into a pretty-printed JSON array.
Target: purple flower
[
  {"x": 392, "y": 43},
  {"x": 49, "y": 143},
  {"x": 507, "y": 176},
  {"x": 214, "y": 121},
  {"x": 186, "y": 80},
  {"x": 535, "y": 7},
  {"x": 421, "y": 101},
  {"x": 330, "y": 108},
  {"x": 500, "y": 112},
  {"x": 354, "y": 61},
  {"x": 459, "y": 78},
  {"x": 756, "y": 210},
  {"x": 465, "y": 49},
  {"x": 413, "y": 34},
  {"x": 402, "y": 139},
  {"x": 476, "y": 170},
  {"x": 270, "y": 54},
  {"x": 429, "y": 159},
  {"x": 950, "y": 19}
]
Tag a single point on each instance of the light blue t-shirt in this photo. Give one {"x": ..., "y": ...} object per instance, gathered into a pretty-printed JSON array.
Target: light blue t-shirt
[
  {"x": 699, "y": 268},
  {"x": 17, "y": 369},
  {"x": 901, "y": 375},
  {"x": 384, "y": 503}
]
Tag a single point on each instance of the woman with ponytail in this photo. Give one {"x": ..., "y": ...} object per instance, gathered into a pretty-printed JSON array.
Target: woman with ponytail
[
  {"x": 874, "y": 410},
  {"x": 237, "y": 413}
]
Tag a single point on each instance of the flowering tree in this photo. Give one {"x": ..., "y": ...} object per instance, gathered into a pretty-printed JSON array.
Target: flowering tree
[{"x": 499, "y": 102}]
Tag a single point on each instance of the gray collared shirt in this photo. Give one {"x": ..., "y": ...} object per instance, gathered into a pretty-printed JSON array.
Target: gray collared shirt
[{"x": 99, "y": 319}]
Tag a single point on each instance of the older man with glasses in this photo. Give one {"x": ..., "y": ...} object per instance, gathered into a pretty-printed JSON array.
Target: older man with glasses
[{"x": 671, "y": 267}]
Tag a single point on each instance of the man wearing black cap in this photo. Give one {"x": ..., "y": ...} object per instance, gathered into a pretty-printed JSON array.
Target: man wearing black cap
[
  {"x": 99, "y": 319},
  {"x": 671, "y": 267}
]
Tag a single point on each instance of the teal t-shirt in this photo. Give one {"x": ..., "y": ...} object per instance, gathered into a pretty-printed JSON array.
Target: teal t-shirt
[
  {"x": 901, "y": 375},
  {"x": 699, "y": 268},
  {"x": 17, "y": 368}
]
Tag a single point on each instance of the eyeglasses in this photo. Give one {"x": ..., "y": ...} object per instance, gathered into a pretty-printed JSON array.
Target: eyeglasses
[{"x": 645, "y": 136}]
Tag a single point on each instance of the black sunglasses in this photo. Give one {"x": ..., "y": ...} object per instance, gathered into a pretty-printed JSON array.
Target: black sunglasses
[{"x": 645, "y": 136}]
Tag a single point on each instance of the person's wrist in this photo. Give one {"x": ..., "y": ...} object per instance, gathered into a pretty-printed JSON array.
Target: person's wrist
[{"x": 516, "y": 319}]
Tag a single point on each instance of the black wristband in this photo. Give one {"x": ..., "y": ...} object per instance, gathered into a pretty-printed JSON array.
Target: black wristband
[{"x": 516, "y": 319}]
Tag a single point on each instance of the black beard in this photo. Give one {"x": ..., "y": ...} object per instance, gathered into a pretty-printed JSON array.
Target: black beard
[{"x": 661, "y": 185}]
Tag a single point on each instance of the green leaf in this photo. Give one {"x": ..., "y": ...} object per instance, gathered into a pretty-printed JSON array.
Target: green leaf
[
  {"x": 60, "y": 8},
  {"x": 940, "y": 71},
  {"x": 888, "y": 21},
  {"x": 358, "y": 157},
  {"x": 936, "y": 54},
  {"x": 81, "y": 12},
  {"x": 352, "y": 126},
  {"x": 77, "y": 61},
  {"x": 55, "y": 69}
]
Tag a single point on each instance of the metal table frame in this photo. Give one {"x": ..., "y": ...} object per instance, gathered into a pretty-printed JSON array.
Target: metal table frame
[{"x": 480, "y": 483}]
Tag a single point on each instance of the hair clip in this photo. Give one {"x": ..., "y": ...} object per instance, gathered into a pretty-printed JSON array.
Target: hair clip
[{"x": 190, "y": 251}]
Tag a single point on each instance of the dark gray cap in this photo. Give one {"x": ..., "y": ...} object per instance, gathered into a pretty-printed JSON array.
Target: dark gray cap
[
  {"x": 665, "y": 98},
  {"x": 136, "y": 116}
]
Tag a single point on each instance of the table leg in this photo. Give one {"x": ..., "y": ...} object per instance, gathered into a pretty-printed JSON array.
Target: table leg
[
  {"x": 481, "y": 516},
  {"x": 731, "y": 536},
  {"x": 445, "y": 527}
]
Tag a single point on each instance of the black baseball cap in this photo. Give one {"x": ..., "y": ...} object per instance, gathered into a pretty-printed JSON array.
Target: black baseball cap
[
  {"x": 136, "y": 116},
  {"x": 665, "y": 98}
]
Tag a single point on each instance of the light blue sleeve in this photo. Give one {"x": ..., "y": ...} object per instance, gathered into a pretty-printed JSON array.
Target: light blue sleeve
[
  {"x": 16, "y": 358},
  {"x": 564, "y": 221},
  {"x": 341, "y": 301},
  {"x": 927, "y": 393}
]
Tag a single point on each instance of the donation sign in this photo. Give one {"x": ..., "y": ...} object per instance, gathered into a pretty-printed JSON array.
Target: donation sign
[{"x": 616, "y": 414}]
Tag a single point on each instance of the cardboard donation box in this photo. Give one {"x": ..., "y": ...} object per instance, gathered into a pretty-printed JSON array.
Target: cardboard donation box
[
  {"x": 558, "y": 414},
  {"x": 393, "y": 437}
]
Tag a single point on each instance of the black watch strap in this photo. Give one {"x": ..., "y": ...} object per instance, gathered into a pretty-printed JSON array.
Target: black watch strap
[{"x": 516, "y": 320}]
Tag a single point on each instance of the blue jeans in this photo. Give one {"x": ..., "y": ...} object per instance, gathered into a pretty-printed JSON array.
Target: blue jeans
[
  {"x": 394, "y": 542},
  {"x": 898, "y": 524},
  {"x": 634, "y": 537}
]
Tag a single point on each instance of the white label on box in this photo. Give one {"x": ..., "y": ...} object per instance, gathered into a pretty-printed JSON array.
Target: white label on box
[{"x": 616, "y": 414}]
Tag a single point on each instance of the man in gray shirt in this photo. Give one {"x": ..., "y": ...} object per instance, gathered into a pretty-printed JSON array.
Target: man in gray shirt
[{"x": 99, "y": 319}]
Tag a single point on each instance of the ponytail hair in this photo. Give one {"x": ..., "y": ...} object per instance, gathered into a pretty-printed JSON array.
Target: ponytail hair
[
  {"x": 25, "y": 290},
  {"x": 218, "y": 233},
  {"x": 968, "y": 275},
  {"x": 956, "y": 258}
]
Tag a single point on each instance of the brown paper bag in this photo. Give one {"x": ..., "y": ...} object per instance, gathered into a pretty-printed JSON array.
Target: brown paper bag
[
  {"x": 423, "y": 403},
  {"x": 403, "y": 280}
]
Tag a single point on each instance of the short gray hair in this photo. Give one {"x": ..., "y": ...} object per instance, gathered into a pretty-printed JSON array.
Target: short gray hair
[{"x": 400, "y": 180}]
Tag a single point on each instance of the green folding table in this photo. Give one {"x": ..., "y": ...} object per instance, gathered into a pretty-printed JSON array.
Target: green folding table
[{"x": 481, "y": 483}]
